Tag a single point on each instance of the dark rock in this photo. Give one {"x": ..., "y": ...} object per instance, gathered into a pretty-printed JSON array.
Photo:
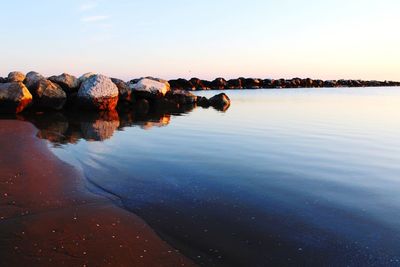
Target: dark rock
[
  {"x": 32, "y": 78},
  {"x": 250, "y": 83},
  {"x": 181, "y": 84},
  {"x": 220, "y": 101},
  {"x": 3, "y": 80},
  {"x": 16, "y": 76},
  {"x": 268, "y": 83},
  {"x": 198, "y": 84},
  {"x": 203, "y": 101},
  {"x": 99, "y": 93},
  {"x": 48, "y": 95},
  {"x": 14, "y": 97},
  {"x": 67, "y": 82},
  {"x": 125, "y": 93},
  {"x": 234, "y": 84},
  {"x": 142, "y": 106},
  {"x": 181, "y": 97},
  {"x": 219, "y": 84}
]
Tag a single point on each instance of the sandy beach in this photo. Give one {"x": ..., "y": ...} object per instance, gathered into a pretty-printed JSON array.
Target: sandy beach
[{"x": 47, "y": 218}]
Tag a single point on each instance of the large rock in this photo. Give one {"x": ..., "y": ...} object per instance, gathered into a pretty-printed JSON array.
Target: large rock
[
  {"x": 149, "y": 89},
  {"x": 98, "y": 92},
  {"x": 14, "y": 97},
  {"x": 67, "y": 82},
  {"x": 16, "y": 76},
  {"x": 181, "y": 97},
  {"x": 48, "y": 95},
  {"x": 85, "y": 76},
  {"x": 32, "y": 78},
  {"x": 125, "y": 93},
  {"x": 3, "y": 80},
  {"x": 235, "y": 84},
  {"x": 220, "y": 102}
]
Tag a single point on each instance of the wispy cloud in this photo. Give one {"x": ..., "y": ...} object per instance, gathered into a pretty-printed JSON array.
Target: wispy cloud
[
  {"x": 95, "y": 18},
  {"x": 87, "y": 6}
]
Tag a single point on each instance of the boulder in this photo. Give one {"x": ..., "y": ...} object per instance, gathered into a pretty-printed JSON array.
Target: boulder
[
  {"x": 125, "y": 93},
  {"x": 99, "y": 93},
  {"x": 203, "y": 101},
  {"x": 14, "y": 97},
  {"x": 234, "y": 84},
  {"x": 220, "y": 101},
  {"x": 48, "y": 95},
  {"x": 198, "y": 84},
  {"x": 16, "y": 76},
  {"x": 85, "y": 76},
  {"x": 149, "y": 89},
  {"x": 268, "y": 83},
  {"x": 32, "y": 78},
  {"x": 251, "y": 83},
  {"x": 67, "y": 82},
  {"x": 182, "y": 84},
  {"x": 181, "y": 97},
  {"x": 3, "y": 80},
  {"x": 219, "y": 83}
]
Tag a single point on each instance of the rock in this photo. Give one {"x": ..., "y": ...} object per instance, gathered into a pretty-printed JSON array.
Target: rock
[
  {"x": 268, "y": 83},
  {"x": 85, "y": 76},
  {"x": 203, "y": 101},
  {"x": 3, "y": 80},
  {"x": 198, "y": 84},
  {"x": 181, "y": 84},
  {"x": 98, "y": 92},
  {"x": 67, "y": 82},
  {"x": 125, "y": 93},
  {"x": 32, "y": 78},
  {"x": 219, "y": 83},
  {"x": 181, "y": 97},
  {"x": 252, "y": 83},
  {"x": 16, "y": 76},
  {"x": 14, "y": 97},
  {"x": 48, "y": 95},
  {"x": 234, "y": 84},
  {"x": 220, "y": 101},
  {"x": 142, "y": 106},
  {"x": 149, "y": 89}
]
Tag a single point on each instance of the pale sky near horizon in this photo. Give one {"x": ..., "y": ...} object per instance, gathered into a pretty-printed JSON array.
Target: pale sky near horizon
[{"x": 206, "y": 39}]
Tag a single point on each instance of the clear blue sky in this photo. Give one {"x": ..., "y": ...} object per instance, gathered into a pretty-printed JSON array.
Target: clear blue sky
[{"x": 177, "y": 38}]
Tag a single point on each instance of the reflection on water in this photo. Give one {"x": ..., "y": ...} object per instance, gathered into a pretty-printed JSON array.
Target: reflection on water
[
  {"x": 69, "y": 127},
  {"x": 283, "y": 178}
]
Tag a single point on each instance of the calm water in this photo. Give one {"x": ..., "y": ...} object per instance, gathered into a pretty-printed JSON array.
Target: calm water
[{"x": 282, "y": 178}]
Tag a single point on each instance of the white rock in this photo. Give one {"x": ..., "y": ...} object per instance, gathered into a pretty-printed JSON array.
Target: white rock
[
  {"x": 98, "y": 86},
  {"x": 150, "y": 86},
  {"x": 86, "y": 76}
]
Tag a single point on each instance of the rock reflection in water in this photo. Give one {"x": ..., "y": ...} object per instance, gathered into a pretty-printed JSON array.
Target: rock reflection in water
[{"x": 70, "y": 127}]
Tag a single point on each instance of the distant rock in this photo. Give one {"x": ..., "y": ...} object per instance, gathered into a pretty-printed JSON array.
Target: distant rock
[
  {"x": 250, "y": 83},
  {"x": 16, "y": 76},
  {"x": 3, "y": 80},
  {"x": 219, "y": 83},
  {"x": 149, "y": 88},
  {"x": 32, "y": 78},
  {"x": 124, "y": 91},
  {"x": 182, "y": 84},
  {"x": 203, "y": 101},
  {"x": 67, "y": 82},
  {"x": 234, "y": 84},
  {"x": 48, "y": 95},
  {"x": 181, "y": 97},
  {"x": 220, "y": 102},
  {"x": 98, "y": 92},
  {"x": 14, "y": 97}
]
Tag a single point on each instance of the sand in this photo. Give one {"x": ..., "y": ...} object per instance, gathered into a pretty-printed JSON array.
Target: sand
[{"x": 48, "y": 218}]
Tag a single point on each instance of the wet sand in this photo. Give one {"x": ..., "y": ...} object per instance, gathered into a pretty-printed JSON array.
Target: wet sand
[{"x": 47, "y": 217}]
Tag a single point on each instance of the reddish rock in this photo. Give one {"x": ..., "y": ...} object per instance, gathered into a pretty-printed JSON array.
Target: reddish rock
[{"x": 14, "y": 97}]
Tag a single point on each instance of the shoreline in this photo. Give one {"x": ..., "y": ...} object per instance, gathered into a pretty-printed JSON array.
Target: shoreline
[{"x": 48, "y": 218}]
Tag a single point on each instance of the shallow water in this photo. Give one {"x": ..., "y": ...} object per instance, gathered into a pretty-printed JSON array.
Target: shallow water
[{"x": 284, "y": 177}]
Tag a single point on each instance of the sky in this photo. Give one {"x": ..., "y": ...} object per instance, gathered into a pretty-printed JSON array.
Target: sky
[{"x": 327, "y": 39}]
